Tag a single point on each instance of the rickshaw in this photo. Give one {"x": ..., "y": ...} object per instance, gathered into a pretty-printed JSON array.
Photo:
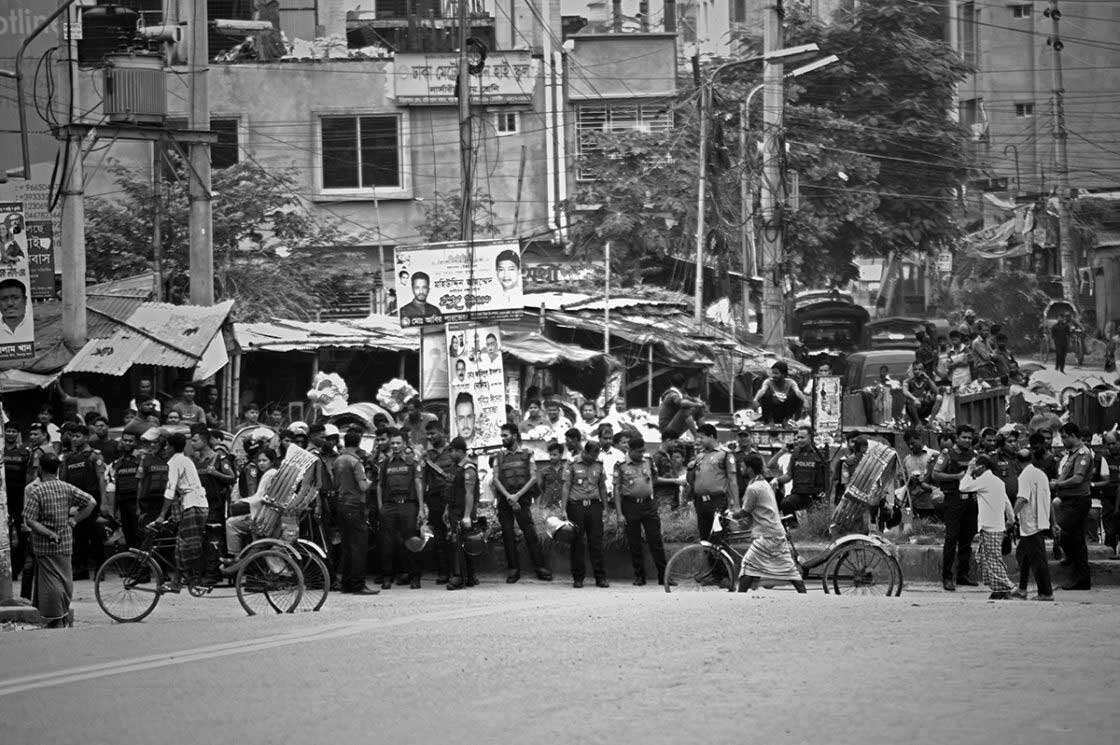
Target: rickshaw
[{"x": 1054, "y": 310}]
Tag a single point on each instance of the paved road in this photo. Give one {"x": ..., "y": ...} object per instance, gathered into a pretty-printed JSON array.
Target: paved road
[{"x": 539, "y": 663}]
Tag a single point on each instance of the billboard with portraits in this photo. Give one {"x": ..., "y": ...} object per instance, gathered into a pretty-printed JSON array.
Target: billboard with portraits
[
  {"x": 17, "y": 322},
  {"x": 476, "y": 385},
  {"x": 452, "y": 282}
]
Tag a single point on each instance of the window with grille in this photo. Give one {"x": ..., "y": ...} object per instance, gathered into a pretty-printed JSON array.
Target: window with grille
[
  {"x": 227, "y": 150},
  {"x": 594, "y": 120},
  {"x": 1021, "y": 11},
  {"x": 507, "y": 122},
  {"x": 361, "y": 152},
  {"x": 1024, "y": 109}
]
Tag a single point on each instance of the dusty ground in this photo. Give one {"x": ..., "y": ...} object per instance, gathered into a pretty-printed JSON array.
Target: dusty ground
[{"x": 538, "y": 662}]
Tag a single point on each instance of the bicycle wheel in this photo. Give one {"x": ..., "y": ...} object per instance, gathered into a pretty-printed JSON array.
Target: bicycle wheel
[
  {"x": 316, "y": 579},
  {"x": 699, "y": 567},
  {"x": 127, "y": 587},
  {"x": 860, "y": 569},
  {"x": 269, "y": 581}
]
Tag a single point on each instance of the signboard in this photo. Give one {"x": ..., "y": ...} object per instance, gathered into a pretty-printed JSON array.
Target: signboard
[
  {"x": 17, "y": 322},
  {"x": 35, "y": 196},
  {"x": 433, "y": 365},
  {"x": 552, "y": 273},
  {"x": 476, "y": 385},
  {"x": 827, "y": 402},
  {"x": 945, "y": 262},
  {"x": 430, "y": 79},
  {"x": 40, "y": 258},
  {"x": 451, "y": 282}
]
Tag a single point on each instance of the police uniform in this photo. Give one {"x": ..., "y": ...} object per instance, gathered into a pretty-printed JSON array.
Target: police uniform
[
  {"x": 439, "y": 471},
  {"x": 513, "y": 470},
  {"x": 634, "y": 484},
  {"x": 85, "y": 470},
  {"x": 1109, "y": 495},
  {"x": 126, "y": 480},
  {"x": 709, "y": 475},
  {"x": 400, "y": 510},
  {"x": 807, "y": 478},
  {"x": 1072, "y": 512},
  {"x": 153, "y": 476},
  {"x": 585, "y": 510},
  {"x": 17, "y": 464},
  {"x": 464, "y": 480},
  {"x": 961, "y": 514},
  {"x": 552, "y": 482}
]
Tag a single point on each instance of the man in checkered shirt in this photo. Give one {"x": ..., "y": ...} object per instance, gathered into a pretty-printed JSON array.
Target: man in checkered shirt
[{"x": 46, "y": 511}]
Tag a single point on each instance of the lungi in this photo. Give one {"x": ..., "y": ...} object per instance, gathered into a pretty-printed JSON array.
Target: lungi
[
  {"x": 54, "y": 587},
  {"x": 770, "y": 558},
  {"x": 993, "y": 571},
  {"x": 188, "y": 547}
]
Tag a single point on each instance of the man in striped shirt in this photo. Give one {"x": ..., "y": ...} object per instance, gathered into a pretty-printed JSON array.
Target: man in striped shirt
[{"x": 185, "y": 488}]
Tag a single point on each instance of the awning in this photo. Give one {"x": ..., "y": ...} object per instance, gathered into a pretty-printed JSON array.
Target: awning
[
  {"x": 300, "y": 336},
  {"x": 18, "y": 380},
  {"x": 161, "y": 335},
  {"x": 534, "y": 349}
]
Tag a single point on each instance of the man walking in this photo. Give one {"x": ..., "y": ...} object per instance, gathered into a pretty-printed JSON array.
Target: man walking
[
  {"x": 515, "y": 479},
  {"x": 349, "y": 478},
  {"x": 712, "y": 484},
  {"x": 46, "y": 511},
  {"x": 184, "y": 488},
  {"x": 960, "y": 509},
  {"x": 994, "y": 516},
  {"x": 399, "y": 487},
  {"x": 584, "y": 494},
  {"x": 1060, "y": 333},
  {"x": 1032, "y": 507},
  {"x": 1072, "y": 488},
  {"x": 769, "y": 555},
  {"x": 633, "y": 499}
]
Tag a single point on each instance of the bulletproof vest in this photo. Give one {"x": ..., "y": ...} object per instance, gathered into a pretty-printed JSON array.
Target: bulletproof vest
[
  {"x": 436, "y": 482},
  {"x": 156, "y": 469},
  {"x": 16, "y": 463},
  {"x": 459, "y": 486},
  {"x": 248, "y": 479},
  {"x": 711, "y": 472},
  {"x": 585, "y": 480},
  {"x": 805, "y": 470},
  {"x": 399, "y": 476},
  {"x": 81, "y": 472},
  {"x": 636, "y": 478},
  {"x": 126, "y": 470},
  {"x": 513, "y": 469},
  {"x": 958, "y": 463}
]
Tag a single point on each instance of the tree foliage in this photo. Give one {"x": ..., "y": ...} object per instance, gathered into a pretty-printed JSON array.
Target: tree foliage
[
  {"x": 268, "y": 250},
  {"x": 442, "y": 221},
  {"x": 877, "y": 155}
]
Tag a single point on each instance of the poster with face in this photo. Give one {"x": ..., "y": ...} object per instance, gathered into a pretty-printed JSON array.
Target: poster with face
[
  {"x": 433, "y": 370},
  {"x": 476, "y": 385},
  {"x": 827, "y": 398},
  {"x": 454, "y": 282},
  {"x": 17, "y": 325}
]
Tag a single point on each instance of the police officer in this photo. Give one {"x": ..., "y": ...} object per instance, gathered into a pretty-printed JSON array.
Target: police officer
[
  {"x": 1072, "y": 488},
  {"x": 805, "y": 474},
  {"x": 584, "y": 494},
  {"x": 400, "y": 485},
  {"x": 633, "y": 500},
  {"x": 84, "y": 467},
  {"x": 17, "y": 463},
  {"x": 712, "y": 484},
  {"x": 440, "y": 463},
  {"x": 153, "y": 475},
  {"x": 515, "y": 480},
  {"x": 125, "y": 482},
  {"x": 1109, "y": 492},
  {"x": 462, "y": 501},
  {"x": 961, "y": 510}
]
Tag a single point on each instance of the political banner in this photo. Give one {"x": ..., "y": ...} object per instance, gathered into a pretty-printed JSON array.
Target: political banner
[
  {"x": 17, "y": 326},
  {"x": 40, "y": 258},
  {"x": 476, "y": 385},
  {"x": 453, "y": 282},
  {"x": 433, "y": 366},
  {"x": 827, "y": 400}
]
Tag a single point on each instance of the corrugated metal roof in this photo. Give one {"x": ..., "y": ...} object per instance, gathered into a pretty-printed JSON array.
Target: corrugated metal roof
[
  {"x": 156, "y": 334},
  {"x": 141, "y": 286},
  {"x": 534, "y": 349},
  {"x": 300, "y": 336}
]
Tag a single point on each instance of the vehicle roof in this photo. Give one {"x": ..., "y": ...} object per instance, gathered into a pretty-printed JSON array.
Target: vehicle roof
[{"x": 881, "y": 355}]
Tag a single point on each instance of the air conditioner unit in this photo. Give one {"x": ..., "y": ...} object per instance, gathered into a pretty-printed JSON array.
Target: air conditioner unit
[{"x": 135, "y": 89}]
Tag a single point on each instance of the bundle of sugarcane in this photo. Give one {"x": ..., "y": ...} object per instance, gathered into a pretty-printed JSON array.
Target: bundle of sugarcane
[
  {"x": 875, "y": 472},
  {"x": 289, "y": 492}
]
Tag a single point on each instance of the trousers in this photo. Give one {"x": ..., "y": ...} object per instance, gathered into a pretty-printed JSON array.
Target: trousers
[
  {"x": 436, "y": 504},
  {"x": 398, "y": 523},
  {"x": 960, "y": 528},
  {"x": 523, "y": 517},
  {"x": 354, "y": 546},
  {"x": 130, "y": 521},
  {"x": 1071, "y": 514},
  {"x": 88, "y": 548},
  {"x": 1031, "y": 555},
  {"x": 643, "y": 517},
  {"x": 589, "y": 529},
  {"x": 706, "y": 510}
]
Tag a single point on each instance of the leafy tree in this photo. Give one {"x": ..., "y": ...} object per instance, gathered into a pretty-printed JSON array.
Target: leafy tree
[
  {"x": 268, "y": 250},
  {"x": 442, "y": 217}
]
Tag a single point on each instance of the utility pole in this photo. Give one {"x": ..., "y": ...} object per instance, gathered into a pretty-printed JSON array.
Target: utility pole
[
  {"x": 771, "y": 243},
  {"x": 1061, "y": 163},
  {"x": 701, "y": 200},
  {"x": 73, "y": 238},
  {"x": 201, "y": 217},
  {"x": 466, "y": 217},
  {"x": 157, "y": 217},
  {"x": 745, "y": 206}
]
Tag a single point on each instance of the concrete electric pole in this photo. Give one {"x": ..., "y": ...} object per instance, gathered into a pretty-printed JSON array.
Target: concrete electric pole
[
  {"x": 771, "y": 239},
  {"x": 73, "y": 238},
  {"x": 466, "y": 145},
  {"x": 201, "y": 220},
  {"x": 1061, "y": 162}
]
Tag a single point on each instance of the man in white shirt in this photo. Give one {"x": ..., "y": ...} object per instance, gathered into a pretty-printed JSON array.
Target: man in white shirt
[
  {"x": 184, "y": 486},
  {"x": 994, "y": 515},
  {"x": 1032, "y": 507}
]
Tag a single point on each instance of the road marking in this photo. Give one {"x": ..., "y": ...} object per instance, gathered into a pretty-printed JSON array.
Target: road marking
[{"x": 149, "y": 662}]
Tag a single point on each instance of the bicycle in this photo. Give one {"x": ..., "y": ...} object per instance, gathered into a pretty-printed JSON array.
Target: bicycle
[
  {"x": 129, "y": 584},
  {"x": 855, "y": 564}
]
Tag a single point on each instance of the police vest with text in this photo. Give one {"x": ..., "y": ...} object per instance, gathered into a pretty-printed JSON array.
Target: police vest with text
[
  {"x": 399, "y": 476},
  {"x": 514, "y": 469},
  {"x": 806, "y": 472},
  {"x": 126, "y": 472}
]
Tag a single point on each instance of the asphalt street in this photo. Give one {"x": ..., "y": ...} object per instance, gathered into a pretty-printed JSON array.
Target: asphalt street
[{"x": 539, "y": 662}]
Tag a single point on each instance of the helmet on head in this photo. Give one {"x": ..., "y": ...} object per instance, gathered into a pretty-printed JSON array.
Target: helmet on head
[{"x": 330, "y": 430}]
